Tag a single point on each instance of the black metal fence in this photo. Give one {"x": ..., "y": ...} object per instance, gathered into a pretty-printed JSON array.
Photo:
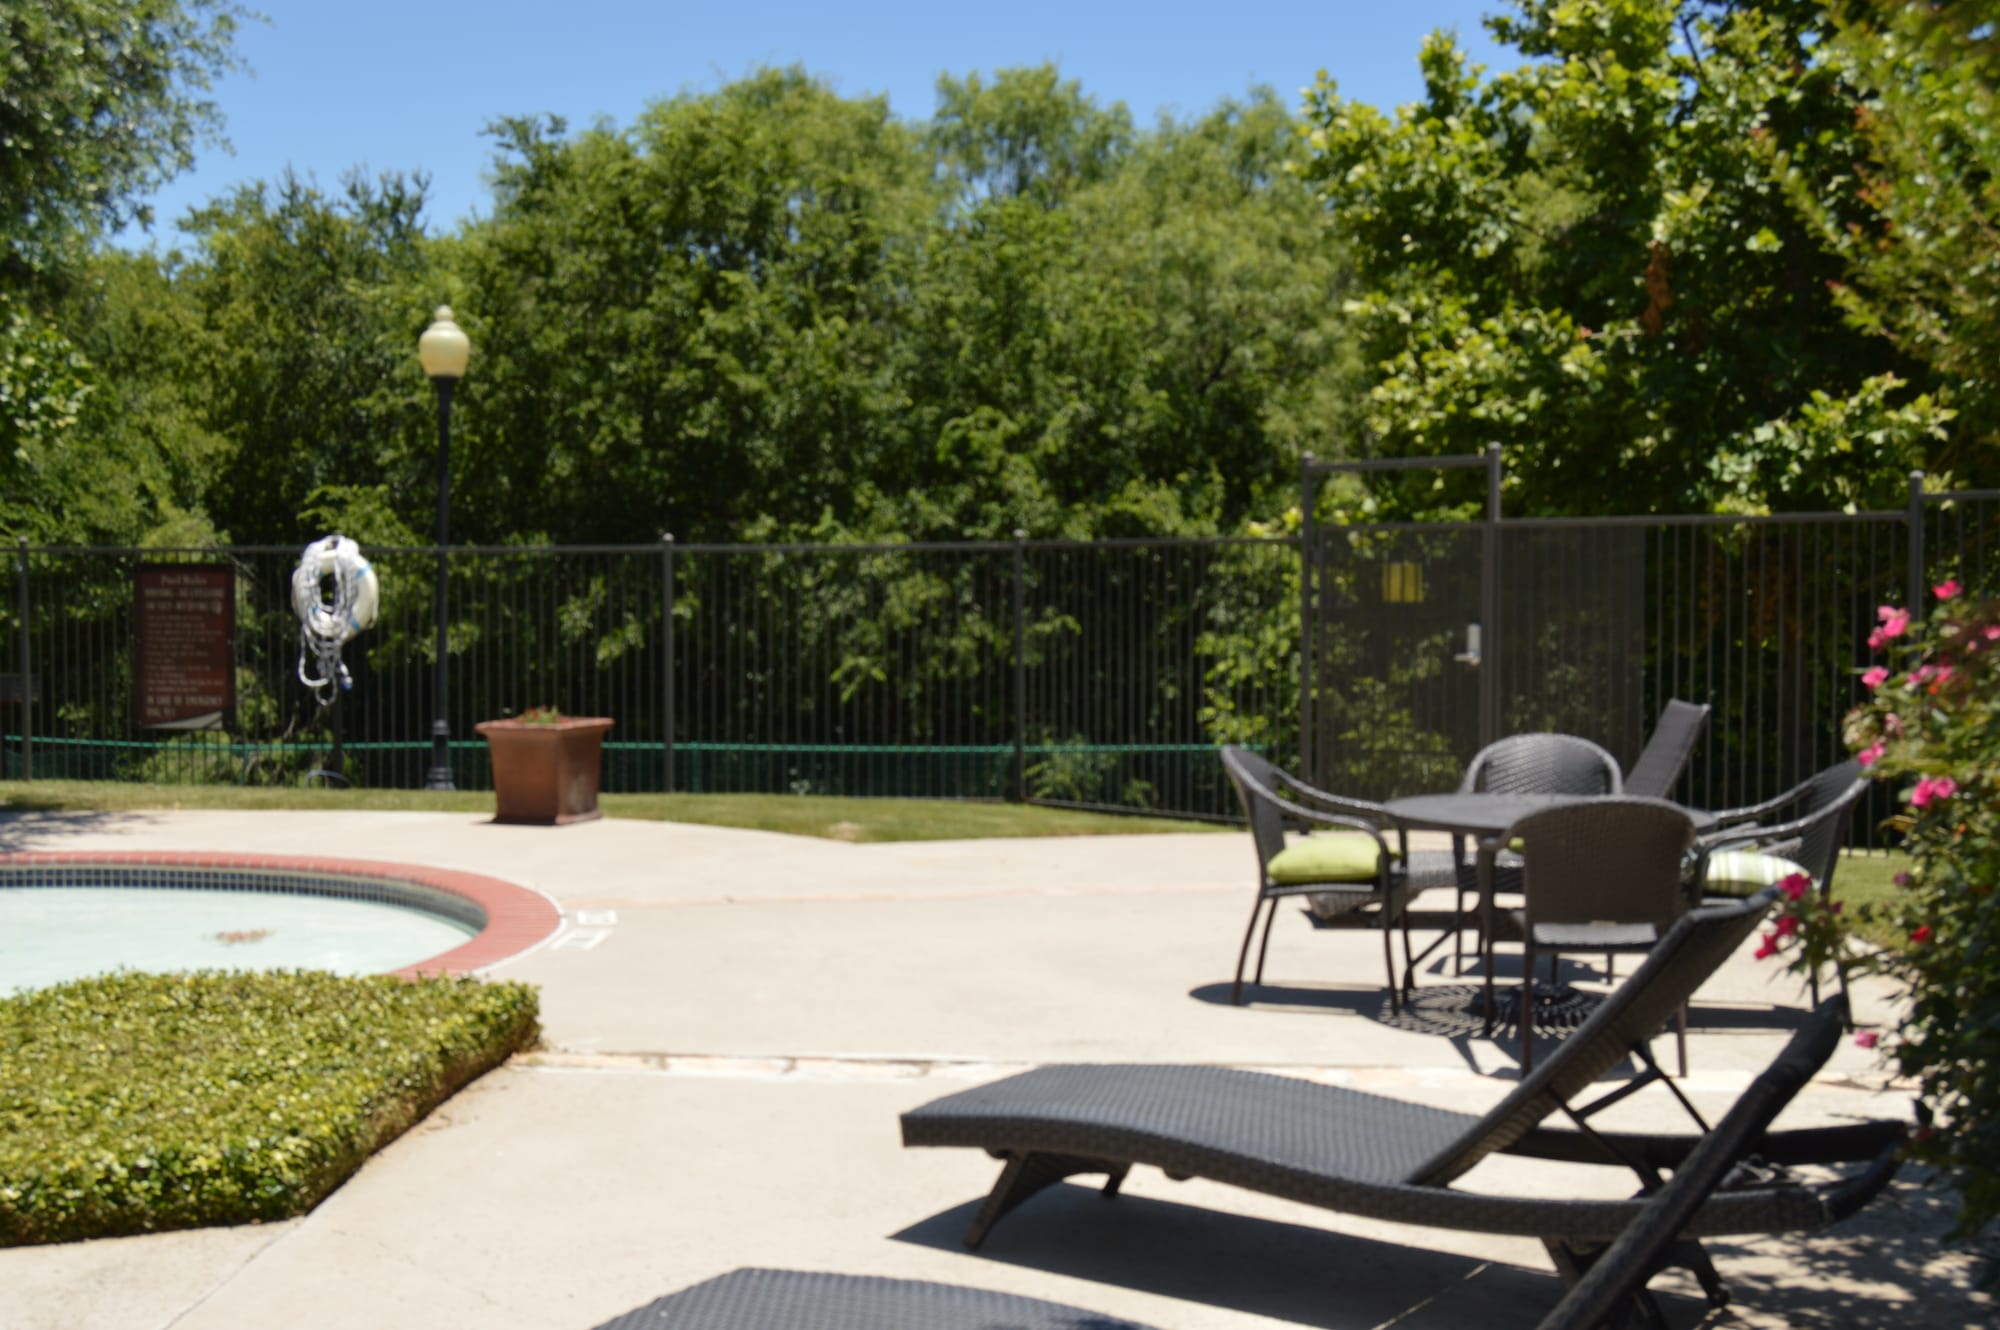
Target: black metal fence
[
  {"x": 1097, "y": 674},
  {"x": 1089, "y": 674}
]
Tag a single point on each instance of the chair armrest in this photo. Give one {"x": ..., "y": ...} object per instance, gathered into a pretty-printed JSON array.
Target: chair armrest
[
  {"x": 1762, "y": 833},
  {"x": 1750, "y": 812},
  {"x": 1320, "y": 817},
  {"x": 1312, "y": 796}
]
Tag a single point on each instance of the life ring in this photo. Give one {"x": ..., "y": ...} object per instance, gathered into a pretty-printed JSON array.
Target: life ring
[{"x": 327, "y": 624}]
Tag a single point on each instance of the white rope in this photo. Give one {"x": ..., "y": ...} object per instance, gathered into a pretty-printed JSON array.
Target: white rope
[{"x": 335, "y": 594}]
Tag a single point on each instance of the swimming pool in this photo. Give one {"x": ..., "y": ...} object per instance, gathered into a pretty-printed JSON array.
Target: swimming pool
[{"x": 67, "y": 915}]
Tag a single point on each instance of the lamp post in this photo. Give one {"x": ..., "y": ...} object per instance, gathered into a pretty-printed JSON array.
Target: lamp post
[{"x": 443, "y": 351}]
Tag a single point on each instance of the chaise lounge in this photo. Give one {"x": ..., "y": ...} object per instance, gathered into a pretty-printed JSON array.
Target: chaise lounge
[
  {"x": 1386, "y": 1159},
  {"x": 1607, "y": 1286}
]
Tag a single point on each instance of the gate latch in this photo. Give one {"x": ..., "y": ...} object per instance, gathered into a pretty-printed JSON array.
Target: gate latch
[{"x": 1469, "y": 656}]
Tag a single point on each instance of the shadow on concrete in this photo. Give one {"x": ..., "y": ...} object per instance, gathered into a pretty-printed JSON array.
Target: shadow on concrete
[
  {"x": 1892, "y": 1265},
  {"x": 1261, "y": 1267},
  {"x": 1887, "y": 1267},
  {"x": 25, "y": 827}
]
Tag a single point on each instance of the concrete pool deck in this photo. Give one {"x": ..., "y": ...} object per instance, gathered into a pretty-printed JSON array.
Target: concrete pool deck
[{"x": 734, "y": 1020}]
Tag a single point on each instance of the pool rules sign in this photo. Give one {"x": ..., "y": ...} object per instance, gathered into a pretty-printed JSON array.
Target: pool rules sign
[{"x": 184, "y": 617}]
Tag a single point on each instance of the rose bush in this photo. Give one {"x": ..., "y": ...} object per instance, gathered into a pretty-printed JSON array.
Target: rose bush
[{"x": 1931, "y": 727}]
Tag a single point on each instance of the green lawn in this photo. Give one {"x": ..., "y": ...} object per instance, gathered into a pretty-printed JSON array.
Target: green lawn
[
  {"x": 1866, "y": 878},
  {"x": 792, "y": 814}
]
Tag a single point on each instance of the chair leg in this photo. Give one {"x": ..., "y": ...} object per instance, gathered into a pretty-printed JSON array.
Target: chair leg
[
  {"x": 1389, "y": 951},
  {"x": 1409, "y": 962},
  {"x": 1264, "y": 947},
  {"x": 1526, "y": 1014},
  {"x": 1681, "y": 1037},
  {"x": 1243, "y": 953}
]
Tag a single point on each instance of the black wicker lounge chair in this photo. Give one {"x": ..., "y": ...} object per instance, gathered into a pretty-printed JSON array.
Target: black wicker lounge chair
[
  {"x": 803, "y": 1300},
  {"x": 1387, "y": 1159},
  {"x": 1348, "y": 867},
  {"x": 1660, "y": 763},
  {"x": 1607, "y": 1282},
  {"x": 1611, "y": 1283}
]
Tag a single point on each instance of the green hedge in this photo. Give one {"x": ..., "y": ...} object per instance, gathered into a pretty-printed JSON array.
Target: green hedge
[{"x": 133, "y": 1103}]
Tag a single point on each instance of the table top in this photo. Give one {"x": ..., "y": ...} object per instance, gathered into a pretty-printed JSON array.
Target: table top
[
  {"x": 1475, "y": 813},
  {"x": 1484, "y": 813}
]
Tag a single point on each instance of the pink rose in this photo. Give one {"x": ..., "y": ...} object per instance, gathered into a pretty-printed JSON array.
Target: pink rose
[
  {"x": 1932, "y": 789},
  {"x": 1788, "y": 924},
  {"x": 1767, "y": 946},
  {"x": 1993, "y": 632},
  {"x": 1874, "y": 678},
  {"x": 1866, "y": 1038},
  {"x": 1946, "y": 589},
  {"x": 1867, "y": 756},
  {"x": 1795, "y": 886},
  {"x": 1895, "y": 622}
]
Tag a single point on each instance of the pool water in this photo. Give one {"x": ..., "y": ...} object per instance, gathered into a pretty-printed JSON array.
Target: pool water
[{"x": 52, "y": 934}]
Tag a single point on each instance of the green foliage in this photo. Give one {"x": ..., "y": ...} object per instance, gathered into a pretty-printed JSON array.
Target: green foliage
[
  {"x": 100, "y": 101},
  {"x": 1914, "y": 219},
  {"x": 1026, "y": 134},
  {"x": 44, "y": 383},
  {"x": 1932, "y": 729},
  {"x": 309, "y": 308},
  {"x": 1591, "y": 261},
  {"x": 139, "y": 1103}
]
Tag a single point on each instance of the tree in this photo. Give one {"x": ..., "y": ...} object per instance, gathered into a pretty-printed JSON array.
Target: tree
[
  {"x": 1917, "y": 219},
  {"x": 691, "y": 321},
  {"x": 309, "y": 308},
  {"x": 100, "y": 101},
  {"x": 1026, "y": 134},
  {"x": 1140, "y": 355},
  {"x": 1591, "y": 261}
]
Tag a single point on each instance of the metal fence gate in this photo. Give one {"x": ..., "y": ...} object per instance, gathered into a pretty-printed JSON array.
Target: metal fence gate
[{"x": 1423, "y": 642}]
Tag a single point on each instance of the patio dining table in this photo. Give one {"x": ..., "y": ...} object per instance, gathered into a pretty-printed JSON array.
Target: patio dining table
[
  {"x": 1485, "y": 816},
  {"x": 1482, "y": 815}
]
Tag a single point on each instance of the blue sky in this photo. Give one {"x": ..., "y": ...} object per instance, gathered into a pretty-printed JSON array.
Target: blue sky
[{"x": 388, "y": 85}]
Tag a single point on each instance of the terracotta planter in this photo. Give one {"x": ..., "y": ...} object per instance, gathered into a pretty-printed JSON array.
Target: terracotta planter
[{"x": 546, "y": 773}]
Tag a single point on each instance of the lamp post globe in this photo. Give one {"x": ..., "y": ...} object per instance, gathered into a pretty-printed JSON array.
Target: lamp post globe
[{"x": 444, "y": 351}]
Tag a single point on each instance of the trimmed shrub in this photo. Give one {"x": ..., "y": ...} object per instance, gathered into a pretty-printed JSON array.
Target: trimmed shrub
[{"x": 134, "y": 1103}]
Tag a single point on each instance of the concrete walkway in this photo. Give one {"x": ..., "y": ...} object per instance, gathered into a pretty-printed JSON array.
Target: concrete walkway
[{"x": 735, "y": 1019}]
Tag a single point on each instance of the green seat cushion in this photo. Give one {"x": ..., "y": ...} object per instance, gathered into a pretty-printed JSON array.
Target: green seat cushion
[
  {"x": 1337, "y": 856},
  {"x": 1745, "y": 872}
]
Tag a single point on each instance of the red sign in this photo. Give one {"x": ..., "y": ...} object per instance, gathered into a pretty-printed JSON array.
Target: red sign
[{"x": 184, "y": 616}]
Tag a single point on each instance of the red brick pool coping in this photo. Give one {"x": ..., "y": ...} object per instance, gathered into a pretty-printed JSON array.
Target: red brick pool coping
[{"x": 516, "y": 918}]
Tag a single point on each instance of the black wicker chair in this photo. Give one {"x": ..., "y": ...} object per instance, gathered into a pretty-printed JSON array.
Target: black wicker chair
[
  {"x": 1529, "y": 764},
  {"x": 1801, "y": 830},
  {"x": 1660, "y": 763},
  {"x": 1600, "y": 875},
  {"x": 1387, "y": 1159},
  {"x": 1350, "y": 866},
  {"x": 1543, "y": 764}
]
